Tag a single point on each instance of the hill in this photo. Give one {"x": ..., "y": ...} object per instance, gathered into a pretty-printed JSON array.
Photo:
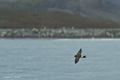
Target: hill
[
  {"x": 52, "y": 19},
  {"x": 104, "y": 9}
]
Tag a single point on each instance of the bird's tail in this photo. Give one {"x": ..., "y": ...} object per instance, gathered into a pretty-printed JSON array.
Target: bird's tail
[{"x": 83, "y": 56}]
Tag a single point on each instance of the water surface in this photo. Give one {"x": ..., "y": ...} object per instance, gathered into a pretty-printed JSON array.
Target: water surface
[{"x": 53, "y": 59}]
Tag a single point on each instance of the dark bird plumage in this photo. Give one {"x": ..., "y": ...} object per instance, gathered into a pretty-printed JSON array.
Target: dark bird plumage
[{"x": 78, "y": 56}]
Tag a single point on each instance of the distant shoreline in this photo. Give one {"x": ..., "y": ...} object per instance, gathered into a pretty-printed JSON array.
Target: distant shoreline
[{"x": 60, "y": 33}]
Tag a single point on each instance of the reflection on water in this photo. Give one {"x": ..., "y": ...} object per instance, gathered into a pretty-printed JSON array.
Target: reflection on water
[{"x": 53, "y": 59}]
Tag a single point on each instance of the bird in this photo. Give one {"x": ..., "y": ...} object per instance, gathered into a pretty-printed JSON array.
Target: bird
[{"x": 78, "y": 56}]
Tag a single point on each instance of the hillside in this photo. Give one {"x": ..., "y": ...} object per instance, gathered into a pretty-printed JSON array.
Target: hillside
[
  {"x": 52, "y": 19},
  {"x": 104, "y": 9}
]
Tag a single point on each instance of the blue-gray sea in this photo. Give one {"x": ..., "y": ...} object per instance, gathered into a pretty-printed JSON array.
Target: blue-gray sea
[{"x": 53, "y": 59}]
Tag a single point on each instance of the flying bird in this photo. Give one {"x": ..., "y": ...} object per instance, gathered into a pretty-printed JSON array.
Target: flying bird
[{"x": 78, "y": 56}]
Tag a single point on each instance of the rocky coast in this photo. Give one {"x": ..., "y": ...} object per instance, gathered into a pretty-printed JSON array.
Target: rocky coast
[{"x": 60, "y": 33}]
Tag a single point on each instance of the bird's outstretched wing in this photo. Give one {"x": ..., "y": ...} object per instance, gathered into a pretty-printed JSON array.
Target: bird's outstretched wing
[
  {"x": 79, "y": 52},
  {"x": 76, "y": 59},
  {"x": 78, "y": 56}
]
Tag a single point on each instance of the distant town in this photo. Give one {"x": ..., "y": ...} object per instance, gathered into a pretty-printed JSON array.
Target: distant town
[{"x": 60, "y": 33}]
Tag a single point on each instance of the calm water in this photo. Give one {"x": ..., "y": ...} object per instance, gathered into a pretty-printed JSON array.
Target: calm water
[{"x": 53, "y": 59}]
